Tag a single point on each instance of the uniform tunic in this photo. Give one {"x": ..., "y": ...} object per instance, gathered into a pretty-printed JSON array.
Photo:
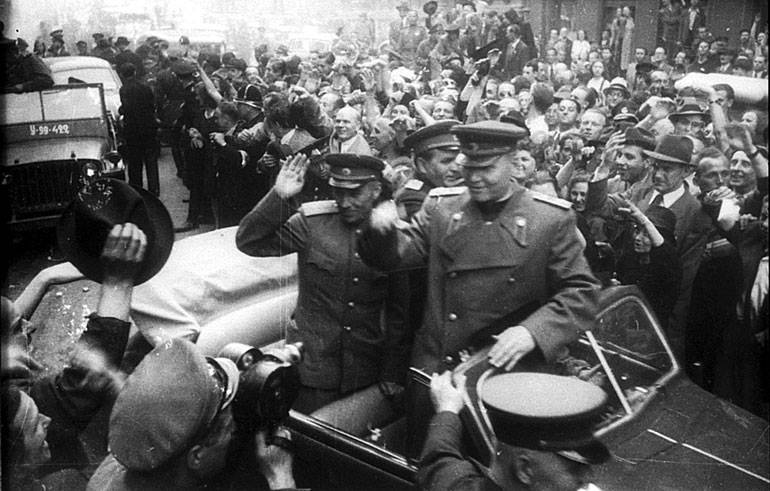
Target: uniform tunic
[
  {"x": 349, "y": 316},
  {"x": 480, "y": 271}
]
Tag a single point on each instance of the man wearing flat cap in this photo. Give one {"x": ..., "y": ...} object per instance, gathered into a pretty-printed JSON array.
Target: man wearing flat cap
[
  {"x": 543, "y": 426},
  {"x": 434, "y": 149},
  {"x": 172, "y": 424},
  {"x": 350, "y": 318},
  {"x": 497, "y": 254},
  {"x": 670, "y": 163}
]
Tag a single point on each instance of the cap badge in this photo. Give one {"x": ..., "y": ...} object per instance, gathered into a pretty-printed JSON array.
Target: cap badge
[{"x": 345, "y": 171}]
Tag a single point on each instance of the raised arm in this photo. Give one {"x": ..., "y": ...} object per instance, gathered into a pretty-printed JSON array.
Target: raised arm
[{"x": 273, "y": 228}]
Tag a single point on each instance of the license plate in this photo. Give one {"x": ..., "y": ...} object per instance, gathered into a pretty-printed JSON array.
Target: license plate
[{"x": 59, "y": 129}]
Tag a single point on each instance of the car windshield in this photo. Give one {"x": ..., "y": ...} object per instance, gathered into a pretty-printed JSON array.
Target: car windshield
[
  {"x": 88, "y": 75},
  {"x": 629, "y": 352},
  {"x": 57, "y": 104}
]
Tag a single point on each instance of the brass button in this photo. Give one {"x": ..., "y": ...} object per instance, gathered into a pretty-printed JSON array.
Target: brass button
[
  {"x": 355, "y": 279},
  {"x": 356, "y": 255},
  {"x": 453, "y": 274},
  {"x": 347, "y": 328},
  {"x": 511, "y": 280},
  {"x": 452, "y": 316},
  {"x": 358, "y": 231},
  {"x": 351, "y": 304},
  {"x": 448, "y": 359}
]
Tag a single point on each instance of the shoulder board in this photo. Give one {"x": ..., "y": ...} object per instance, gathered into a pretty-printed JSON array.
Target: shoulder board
[
  {"x": 442, "y": 191},
  {"x": 325, "y": 207},
  {"x": 558, "y": 202},
  {"x": 414, "y": 184}
]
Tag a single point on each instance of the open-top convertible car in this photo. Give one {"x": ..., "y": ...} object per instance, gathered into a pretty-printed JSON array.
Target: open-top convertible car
[
  {"x": 53, "y": 140},
  {"x": 664, "y": 431}
]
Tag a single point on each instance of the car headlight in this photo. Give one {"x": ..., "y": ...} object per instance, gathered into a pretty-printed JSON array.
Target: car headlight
[
  {"x": 89, "y": 170},
  {"x": 112, "y": 160}
]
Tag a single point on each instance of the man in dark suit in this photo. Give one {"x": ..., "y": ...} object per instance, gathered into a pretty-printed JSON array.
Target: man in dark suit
[
  {"x": 140, "y": 130},
  {"x": 516, "y": 54},
  {"x": 667, "y": 188}
]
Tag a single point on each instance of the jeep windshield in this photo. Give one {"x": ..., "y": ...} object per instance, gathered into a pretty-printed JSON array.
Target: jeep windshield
[{"x": 59, "y": 112}]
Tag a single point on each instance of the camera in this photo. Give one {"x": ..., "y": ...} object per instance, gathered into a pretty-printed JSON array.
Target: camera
[{"x": 268, "y": 386}]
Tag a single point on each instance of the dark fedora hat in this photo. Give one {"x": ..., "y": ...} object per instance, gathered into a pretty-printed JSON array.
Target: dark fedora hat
[
  {"x": 672, "y": 148},
  {"x": 99, "y": 206},
  {"x": 689, "y": 106},
  {"x": 430, "y": 7}
]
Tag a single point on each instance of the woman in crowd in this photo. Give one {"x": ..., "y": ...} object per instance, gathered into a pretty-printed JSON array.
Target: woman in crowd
[{"x": 651, "y": 261}]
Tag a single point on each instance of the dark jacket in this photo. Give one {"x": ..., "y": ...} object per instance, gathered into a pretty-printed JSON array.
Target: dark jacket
[
  {"x": 658, "y": 278},
  {"x": 138, "y": 110},
  {"x": 73, "y": 396},
  {"x": 349, "y": 316},
  {"x": 443, "y": 465}
]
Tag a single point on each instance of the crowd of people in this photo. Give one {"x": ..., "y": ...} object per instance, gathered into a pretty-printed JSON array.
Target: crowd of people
[{"x": 372, "y": 162}]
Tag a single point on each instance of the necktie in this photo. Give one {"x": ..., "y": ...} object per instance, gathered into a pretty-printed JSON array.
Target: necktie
[{"x": 657, "y": 201}]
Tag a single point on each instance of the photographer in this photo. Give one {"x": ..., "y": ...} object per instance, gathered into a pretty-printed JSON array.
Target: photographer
[{"x": 184, "y": 403}]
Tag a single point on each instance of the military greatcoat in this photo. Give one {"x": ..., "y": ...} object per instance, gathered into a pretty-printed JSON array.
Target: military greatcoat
[{"x": 480, "y": 271}]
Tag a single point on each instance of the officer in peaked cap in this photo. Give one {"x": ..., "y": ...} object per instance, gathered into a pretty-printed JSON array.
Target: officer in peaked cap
[
  {"x": 491, "y": 253},
  {"x": 349, "y": 317},
  {"x": 544, "y": 428},
  {"x": 434, "y": 152}
]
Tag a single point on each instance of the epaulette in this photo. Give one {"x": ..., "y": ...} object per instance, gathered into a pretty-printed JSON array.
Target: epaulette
[
  {"x": 443, "y": 191},
  {"x": 414, "y": 184},
  {"x": 324, "y": 207},
  {"x": 558, "y": 202}
]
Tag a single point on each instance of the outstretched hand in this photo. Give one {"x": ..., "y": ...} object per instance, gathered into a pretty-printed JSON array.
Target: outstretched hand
[{"x": 291, "y": 177}]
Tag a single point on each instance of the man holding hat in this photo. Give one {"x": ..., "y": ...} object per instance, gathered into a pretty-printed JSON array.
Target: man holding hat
[
  {"x": 350, "y": 318},
  {"x": 497, "y": 254},
  {"x": 544, "y": 428},
  {"x": 435, "y": 151},
  {"x": 115, "y": 235}
]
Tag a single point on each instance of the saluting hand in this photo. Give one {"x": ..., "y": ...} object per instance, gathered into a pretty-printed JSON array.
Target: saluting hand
[
  {"x": 291, "y": 177},
  {"x": 511, "y": 346}
]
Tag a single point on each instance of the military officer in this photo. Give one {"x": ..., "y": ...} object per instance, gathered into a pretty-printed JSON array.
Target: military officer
[
  {"x": 434, "y": 149},
  {"x": 543, "y": 425},
  {"x": 349, "y": 316},
  {"x": 492, "y": 252}
]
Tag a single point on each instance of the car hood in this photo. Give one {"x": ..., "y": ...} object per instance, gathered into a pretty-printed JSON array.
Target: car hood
[
  {"x": 688, "y": 439},
  {"x": 84, "y": 148}
]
